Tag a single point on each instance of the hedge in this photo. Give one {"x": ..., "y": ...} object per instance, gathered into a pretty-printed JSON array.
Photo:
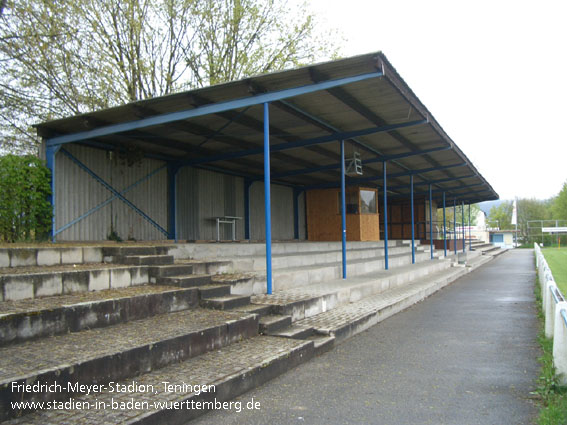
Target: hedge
[{"x": 25, "y": 210}]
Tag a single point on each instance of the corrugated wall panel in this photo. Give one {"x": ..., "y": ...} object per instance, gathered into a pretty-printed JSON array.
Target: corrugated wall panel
[
  {"x": 77, "y": 192},
  {"x": 282, "y": 212},
  {"x": 302, "y": 215},
  {"x": 203, "y": 195}
]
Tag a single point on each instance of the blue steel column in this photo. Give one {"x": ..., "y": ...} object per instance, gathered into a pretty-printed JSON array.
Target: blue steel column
[
  {"x": 444, "y": 227},
  {"x": 412, "y": 224},
  {"x": 172, "y": 170},
  {"x": 455, "y": 224},
  {"x": 50, "y": 153},
  {"x": 463, "y": 221},
  {"x": 385, "y": 218},
  {"x": 343, "y": 209},
  {"x": 470, "y": 234},
  {"x": 247, "y": 186},
  {"x": 430, "y": 222},
  {"x": 267, "y": 198}
]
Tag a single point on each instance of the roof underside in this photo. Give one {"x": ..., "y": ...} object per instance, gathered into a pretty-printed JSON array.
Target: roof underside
[{"x": 311, "y": 109}]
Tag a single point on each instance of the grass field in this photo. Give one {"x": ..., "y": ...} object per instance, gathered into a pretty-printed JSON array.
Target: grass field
[{"x": 557, "y": 261}]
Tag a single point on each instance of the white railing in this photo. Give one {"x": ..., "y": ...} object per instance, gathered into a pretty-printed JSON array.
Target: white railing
[{"x": 555, "y": 311}]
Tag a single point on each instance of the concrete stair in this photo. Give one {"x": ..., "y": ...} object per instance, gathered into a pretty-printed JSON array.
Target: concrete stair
[
  {"x": 28, "y": 319},
  {"x": 197, "y": 330},
  {"x": 273, "y": 323},
  {"x": 118, "y": 352}
]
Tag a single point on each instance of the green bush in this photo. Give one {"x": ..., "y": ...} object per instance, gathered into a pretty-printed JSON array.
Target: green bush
[{"x": 25, "y": 212}]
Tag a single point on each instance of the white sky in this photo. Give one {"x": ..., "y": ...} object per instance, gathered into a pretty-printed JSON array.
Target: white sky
[{"x": 492, "y": 72}]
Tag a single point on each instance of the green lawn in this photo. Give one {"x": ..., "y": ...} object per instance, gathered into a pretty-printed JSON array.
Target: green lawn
[{"x": 557, "y": 261}]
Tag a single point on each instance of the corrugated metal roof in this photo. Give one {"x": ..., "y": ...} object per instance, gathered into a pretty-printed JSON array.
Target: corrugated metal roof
[{"x": 366, "y": 104}]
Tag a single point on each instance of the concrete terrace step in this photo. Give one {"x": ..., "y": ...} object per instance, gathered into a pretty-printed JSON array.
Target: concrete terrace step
[
  {"x": 273, "y": 323},
  {"x": 144, "y": 260},
  {"x": 117, "y": 352},
  {"x": 186, "y": 281},
  {"x": 307, "y": 275},
  {"x": 228, "y": 250},
  {"x": 213, "y": 291},
  {"x": 33, "y": 318},
  {"x": 169, "y": 270},
  {"x": 259, "y": 309},
  {"x": 294, "y": 331},
  {"x": 232, "y": 371},
  {"x": 68, "y": 279},
  {"x": 300, "y": 259},
  {"x": 313, "y": 299},
  {"x": 225, "y": 302},
  {"x": 118, "y": 251},
  {"x": 321, "y": 342},
  {"x": 350, "y": 319}
]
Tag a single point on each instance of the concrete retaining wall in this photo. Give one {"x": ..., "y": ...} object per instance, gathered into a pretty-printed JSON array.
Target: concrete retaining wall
[
  {"x": 22, "y": 286},
  {"x": 25, "y": 257}
]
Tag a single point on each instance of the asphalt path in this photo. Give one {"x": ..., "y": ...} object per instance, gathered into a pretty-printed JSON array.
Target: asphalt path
[{"x": 466, "y": 355}]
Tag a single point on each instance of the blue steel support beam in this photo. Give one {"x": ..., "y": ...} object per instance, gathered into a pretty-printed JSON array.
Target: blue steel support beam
[
  {"x": 455, "y": 224},
  {"x": 431, "y": 182},
  {"x": 366, "y": 161},
  {"x": 210, "y": 109},
  {"x": 463, "y": 221},
  {"x": 470, "y": 231},
  {"x": 172, "y": 170},
  {"x": 444, "y": 226},
  {"x": 114, "y": 191},
  {"x": 247, "y": 185},
  {"x": 385, "y": 218},
  {"x": 343, "y": 209},
  {"x": 303, "y": 143},
  {"x": 357, "y": 181},
  {"x": 267, "y": 198},
  {"x": 296, "y": 194},
  {"x": 430, "y": 222},
  {"x": 412, "y": 222},
  {"x": 451, "y": 190},
  {"x": 50, "y": 153},
  {"x": 108, "y": 201}
]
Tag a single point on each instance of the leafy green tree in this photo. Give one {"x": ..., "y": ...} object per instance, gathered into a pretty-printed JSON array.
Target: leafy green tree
[
  {"x": 559, "y": 204},
  {"x": 66, "y": 57},
  {"x": 449, "y": 215},
  {"x": 501, "y": 216}
]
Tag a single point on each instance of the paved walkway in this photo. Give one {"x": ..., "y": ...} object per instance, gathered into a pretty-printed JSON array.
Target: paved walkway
[{"x": 467, "y": 355}]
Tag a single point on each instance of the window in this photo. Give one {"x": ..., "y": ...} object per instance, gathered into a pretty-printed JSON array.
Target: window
[
  {"x": 368, "y": 202},
  {"x": 351, "y": 200}
]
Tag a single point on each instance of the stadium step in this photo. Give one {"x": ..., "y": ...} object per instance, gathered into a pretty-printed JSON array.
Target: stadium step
[
  {"x": 115, "y": 353},
  {"x": 185, "y": 390},
  {"x": 48, "y": 316}
]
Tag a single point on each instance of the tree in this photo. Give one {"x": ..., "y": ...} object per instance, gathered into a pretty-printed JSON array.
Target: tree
[
  {"x": 559, "y": 204},
  {"x": 66, "y": 57},
  {"x": 449, "y": 215},
  {"x": 501, "y": 216}
]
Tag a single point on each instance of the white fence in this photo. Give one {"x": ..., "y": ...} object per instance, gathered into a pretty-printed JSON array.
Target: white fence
[{"x": 555, "y": 311}]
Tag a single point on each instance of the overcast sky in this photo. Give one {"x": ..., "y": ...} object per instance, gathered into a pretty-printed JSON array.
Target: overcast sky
[{"x": 493, "y": 74}]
